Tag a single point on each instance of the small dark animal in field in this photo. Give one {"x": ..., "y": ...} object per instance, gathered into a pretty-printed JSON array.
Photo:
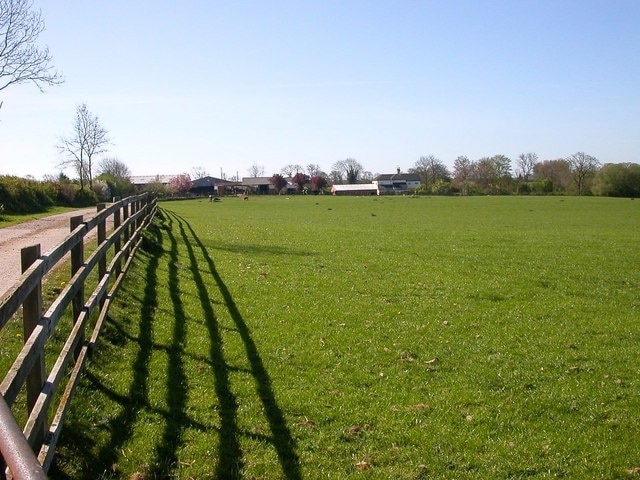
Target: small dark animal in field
[
  {"x": 217, "y": 199},
  {"x": 245, "y": 198}
]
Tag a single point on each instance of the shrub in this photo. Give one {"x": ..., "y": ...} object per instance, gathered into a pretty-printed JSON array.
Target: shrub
[
  {"x": 524, "y": 188},
  {"x": 24, "y": 195},
  {"x": 65, "y": 194},
  {"x": 119, "y": 187},
  {"x": 102, "y": 190},
  {"x": 85, "y": 198},
  {"x": 157, "y": 188},
  {"x": 618, "y": 180},
  {"x": 441, "y": 187}
]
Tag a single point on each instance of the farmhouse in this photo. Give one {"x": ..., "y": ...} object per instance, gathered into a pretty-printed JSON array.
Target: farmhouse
[
  {"x": 199, "y": 187},
  {"x": 213, "y": 186},
  {"x": 396, "y": 183},
  {"x": 259, "y": 185},
  {"x": 203, "y": 186},
  {"x": 262, "y": 185}
]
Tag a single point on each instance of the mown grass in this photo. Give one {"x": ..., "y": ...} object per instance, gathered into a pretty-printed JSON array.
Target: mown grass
[{"x": 321, "y": 337}]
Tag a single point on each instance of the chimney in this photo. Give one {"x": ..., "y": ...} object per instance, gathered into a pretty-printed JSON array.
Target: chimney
[{"x": 398, "y": 170}]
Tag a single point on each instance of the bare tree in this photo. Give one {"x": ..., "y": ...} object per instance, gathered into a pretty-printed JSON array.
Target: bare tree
[
  {"x": 493, "y": 174},
  {"x": 526, "y": 163},
  {"x": 583, "y": 168},
  {"x": 313, "y": 170},
  {"x": 256, "y": 170},
  {"x": 430, "y": 169},
  {"x": 557, "y": 172},
  {"x": 463, "y": 169},
  {"x": 116, "y": 174},
  {"x": 291, "y": 170},
  {"x": 114, "y": 167},
  {"x": 367, "y": 176},
  {"x": 351, "y": 169},
  {"x": 198, "y": 172},
  {"x": 21, "y": 61},
  {"x": 87, "y": 140},
  {"x": 335, "y": 177}
]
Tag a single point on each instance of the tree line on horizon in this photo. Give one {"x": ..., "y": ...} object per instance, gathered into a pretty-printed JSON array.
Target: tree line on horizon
[
  {"x": 24, "y": 62},
  {"x": 577, "y": 174}
]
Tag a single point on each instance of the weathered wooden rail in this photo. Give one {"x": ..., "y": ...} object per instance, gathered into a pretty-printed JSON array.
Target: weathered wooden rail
[{"x": 27, "y": 452}]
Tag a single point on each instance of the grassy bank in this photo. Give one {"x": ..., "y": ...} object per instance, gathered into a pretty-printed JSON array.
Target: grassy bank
[
  {"x": 8, "y": 219},
  {"x": 321, "y": 337}
]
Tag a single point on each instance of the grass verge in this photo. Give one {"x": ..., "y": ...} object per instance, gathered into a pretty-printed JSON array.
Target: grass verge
[{"x": 8, "y": 219}]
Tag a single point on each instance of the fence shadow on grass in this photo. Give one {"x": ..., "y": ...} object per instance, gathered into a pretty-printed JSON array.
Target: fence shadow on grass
[
  {"x": 250, "y": 248},
  {"x": 177, "y": 389},
  {"x": 136, "y": 399},
  {"x": 230, "y": 459},
  {"x": 281, "y": 437}
]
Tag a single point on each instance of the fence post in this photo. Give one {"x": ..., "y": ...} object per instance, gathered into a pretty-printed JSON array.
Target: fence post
[
  {"x": 117, "y": 243},
  {"x": 102, "y": 236},
  {"x": 134, "y": 224},
  {"x": 31, "y": 313},
  {"x": 125, "y": 233},
  {"x": 77, "y": 259},
  {"x": 136, "y": 206}
]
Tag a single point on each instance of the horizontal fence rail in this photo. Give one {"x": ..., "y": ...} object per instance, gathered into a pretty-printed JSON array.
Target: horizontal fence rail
[{"x": 27, "y": 452}]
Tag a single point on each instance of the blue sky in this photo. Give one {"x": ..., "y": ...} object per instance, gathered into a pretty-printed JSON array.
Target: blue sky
[{"x": 228, "y": 84}]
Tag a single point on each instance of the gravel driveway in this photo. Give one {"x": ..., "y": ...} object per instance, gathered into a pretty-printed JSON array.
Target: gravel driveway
[{"x": 47, "y": 231}]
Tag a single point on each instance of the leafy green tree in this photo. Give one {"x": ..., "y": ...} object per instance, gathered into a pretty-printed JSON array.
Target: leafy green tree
[{"x": 617, "y": 180}]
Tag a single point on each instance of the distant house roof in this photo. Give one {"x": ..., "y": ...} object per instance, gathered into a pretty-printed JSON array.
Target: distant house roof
[
  {"x": 408, "y": 177},
  {"x": 355, "y": 187},
  {"x": 147, "y": 179},
  {"x": 254, "y": 181},
  {"x": 205, "y": 182}
]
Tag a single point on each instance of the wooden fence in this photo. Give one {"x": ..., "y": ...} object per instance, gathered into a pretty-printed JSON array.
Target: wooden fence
[{"x": 27, "y": 452}]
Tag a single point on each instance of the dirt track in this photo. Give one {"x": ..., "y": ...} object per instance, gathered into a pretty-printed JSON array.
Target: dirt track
[{"x": 47, "y": 231}]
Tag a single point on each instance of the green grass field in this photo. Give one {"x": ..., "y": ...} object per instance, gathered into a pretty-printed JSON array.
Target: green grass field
[{"x": 370, "y": 337}]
